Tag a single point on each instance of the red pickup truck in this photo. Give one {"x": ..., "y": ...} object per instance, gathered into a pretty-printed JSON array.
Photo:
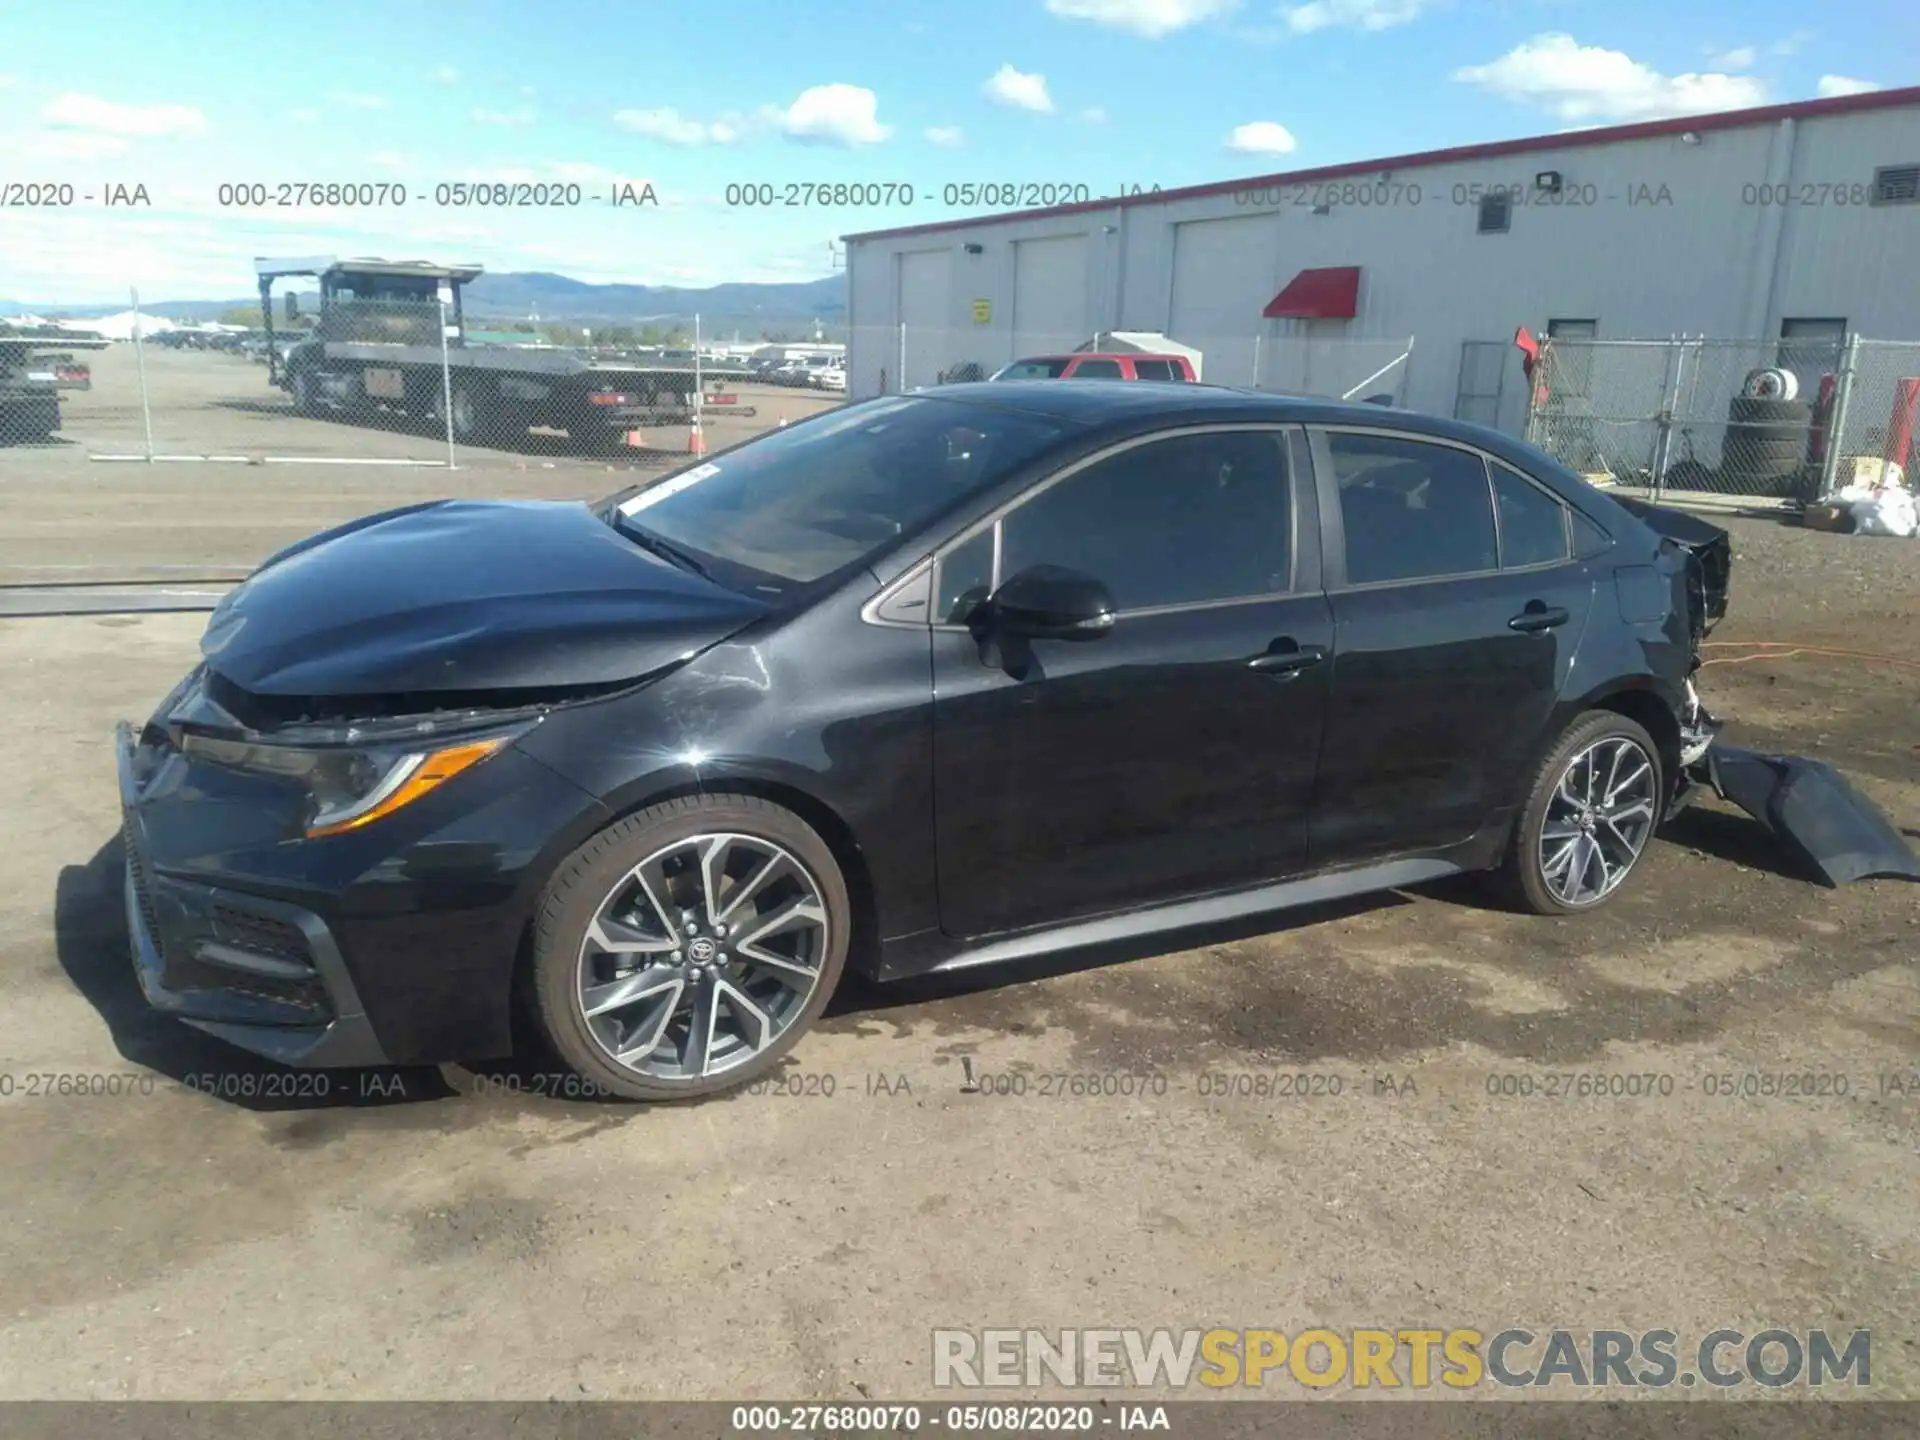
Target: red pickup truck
[{"x": 1099, "y": 366}]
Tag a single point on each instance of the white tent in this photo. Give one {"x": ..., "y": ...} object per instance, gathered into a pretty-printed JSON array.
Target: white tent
[{"x": 120, "y": 327}]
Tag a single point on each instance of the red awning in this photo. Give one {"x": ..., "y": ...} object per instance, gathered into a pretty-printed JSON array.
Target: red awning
[{"x": 1329, "y": 294}]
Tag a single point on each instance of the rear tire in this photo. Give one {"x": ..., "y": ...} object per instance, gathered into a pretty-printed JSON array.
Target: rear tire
[
  {"x": 685, "y": 950},
  {"x": 1589, "y": 816}
]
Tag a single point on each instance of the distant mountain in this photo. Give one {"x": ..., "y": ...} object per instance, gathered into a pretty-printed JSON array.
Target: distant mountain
[{"x": 721, "y": 308}]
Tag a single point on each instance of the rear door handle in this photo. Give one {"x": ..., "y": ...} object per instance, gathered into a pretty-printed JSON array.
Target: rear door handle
[
  {"x": 1537, "y": 617},
  {"x": 1290, "y": 661}
]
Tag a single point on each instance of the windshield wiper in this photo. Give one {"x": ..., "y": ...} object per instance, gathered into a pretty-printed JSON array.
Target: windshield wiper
[{"x": 665, "y": 549}]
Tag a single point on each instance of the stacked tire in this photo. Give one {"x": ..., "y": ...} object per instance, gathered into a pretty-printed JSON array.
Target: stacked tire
[{"x": 1766, "y": 445}]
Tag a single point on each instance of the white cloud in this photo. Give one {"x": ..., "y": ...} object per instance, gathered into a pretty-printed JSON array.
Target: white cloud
[
  {"x": 1094, "y": 115},
  {"x": 1009, "y": 86},
  {"x": 1351, "y": 14},
  {"x": 1833, "y": 86},
  {"x": 1791, "y": 44},
  {"x": 446, "y": 74},
  {"x": 834, "y": 115},
  {"x": 1150, "y": 19},
  {"x": 109, "y": 117},
  {"x": 946, "y": 135},
  {"x": 671, "y": 126},
  {"x": 358, "y": 100},
  {"x": 304, "y": 116},
  {"x": 1739, "y": 58},
  {"x": 1262, "y": 137},
  {"x": 522, "y": 116},
  {"x": 1591, "y": 83}
]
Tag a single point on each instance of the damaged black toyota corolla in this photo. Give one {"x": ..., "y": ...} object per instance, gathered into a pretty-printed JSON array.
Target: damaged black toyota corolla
[{"x": 930, "y": 681}]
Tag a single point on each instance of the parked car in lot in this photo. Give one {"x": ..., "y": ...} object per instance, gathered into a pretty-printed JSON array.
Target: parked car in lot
[
  {"x": 1120, "y": 365},
  {"x": 830, "y": 377},
  {"x": 931, "y": 681}
]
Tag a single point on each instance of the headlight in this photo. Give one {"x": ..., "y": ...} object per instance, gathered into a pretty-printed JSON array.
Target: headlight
[{"x": 350, "y": 788}]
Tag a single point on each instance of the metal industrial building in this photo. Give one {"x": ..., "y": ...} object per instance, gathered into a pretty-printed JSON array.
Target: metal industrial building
[{"x": 1799, "y": 221}]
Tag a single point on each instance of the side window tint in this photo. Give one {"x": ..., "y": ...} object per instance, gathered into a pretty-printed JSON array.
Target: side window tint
[
  {"x": 1183, "y": 520},
  {"x": 1153, "y": 369},
  {"x": 1096, "y": 370},
  {"x": 1412, "y": 510},
  {"x": 966, "y": 578},
  {"x": 1588, "y": 538},
  {"x": 1533, "y": 525}
]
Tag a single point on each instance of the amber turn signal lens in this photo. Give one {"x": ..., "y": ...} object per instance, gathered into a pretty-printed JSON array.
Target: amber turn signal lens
[{"x": 429, "y": 774}]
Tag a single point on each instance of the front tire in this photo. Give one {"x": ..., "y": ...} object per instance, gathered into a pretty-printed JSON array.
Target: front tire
[
  {"x": 686, "y": 949},
  {"x": 1593, "y": 807}
]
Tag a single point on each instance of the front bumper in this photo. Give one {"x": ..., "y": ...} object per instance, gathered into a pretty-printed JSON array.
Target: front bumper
[
  {"x": 396, "y": 944},
  {"x": 263, "y": 975}
]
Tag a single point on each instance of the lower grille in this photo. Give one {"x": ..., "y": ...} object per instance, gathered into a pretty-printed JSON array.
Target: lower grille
[
  {"x": 262, "y": 935},
  {"x": 184, "y": 969},
  {"x": 142, "y": 890}
]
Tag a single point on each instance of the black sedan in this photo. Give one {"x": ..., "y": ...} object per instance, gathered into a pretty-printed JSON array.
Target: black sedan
[{"x": 930, "y": 681}]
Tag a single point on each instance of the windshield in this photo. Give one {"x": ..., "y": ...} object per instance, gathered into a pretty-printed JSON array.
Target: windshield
[{"x": 800, "y": 504}]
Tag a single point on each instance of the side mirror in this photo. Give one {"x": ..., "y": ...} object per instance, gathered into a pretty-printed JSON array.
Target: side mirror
[{"x": 1050, "y": 602}]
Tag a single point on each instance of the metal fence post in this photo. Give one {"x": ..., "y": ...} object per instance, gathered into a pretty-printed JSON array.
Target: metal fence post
[
  {"x": 1541, "y": 368},
  {"x": 1837, "y": 418},
  {"x": 446, "y": 377},
  {"x": 1663, "y": 422},
  {"x": 1256, "y": 360},
  {"x": 140, "y": 360}
]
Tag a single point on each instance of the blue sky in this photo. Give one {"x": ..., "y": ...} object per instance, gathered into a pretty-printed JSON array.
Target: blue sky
[{"x": 693, "y": 97}]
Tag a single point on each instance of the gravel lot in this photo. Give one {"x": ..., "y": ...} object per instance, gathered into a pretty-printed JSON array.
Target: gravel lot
[{"x": 431, "y": 1234}]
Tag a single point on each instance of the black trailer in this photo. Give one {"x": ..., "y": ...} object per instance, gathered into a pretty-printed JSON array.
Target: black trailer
[
  {"x": 36, "y": 364},
  {"x": 391, "y": 336}
]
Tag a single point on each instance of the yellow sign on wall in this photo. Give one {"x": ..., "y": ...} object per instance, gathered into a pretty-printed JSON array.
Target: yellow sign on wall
[{"x": 983, "y": 312}]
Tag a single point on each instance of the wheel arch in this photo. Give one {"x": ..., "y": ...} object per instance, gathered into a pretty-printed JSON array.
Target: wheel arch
[
  {"x": 1647, "y": 708},
  {"x": 864, "y": 945}
]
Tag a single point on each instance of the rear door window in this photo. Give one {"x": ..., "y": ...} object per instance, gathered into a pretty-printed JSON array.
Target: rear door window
[
  {"x": 1097, "y": 370},
  {"x": 1155, "y": 370},
  {"x": 1533, "y": 524},
  {"x": 1412, "y": 510}
]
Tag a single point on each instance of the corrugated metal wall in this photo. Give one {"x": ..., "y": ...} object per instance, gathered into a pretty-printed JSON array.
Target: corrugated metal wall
[{"x": 1651, "y": 237}]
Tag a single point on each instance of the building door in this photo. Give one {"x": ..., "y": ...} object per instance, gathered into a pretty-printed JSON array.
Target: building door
[
  {"x": 925, "y": 309},
  {"x": 1483, "y": 368},
  {"x": 1810, "y": 348},
  {"x": 1049, "y": 295}
]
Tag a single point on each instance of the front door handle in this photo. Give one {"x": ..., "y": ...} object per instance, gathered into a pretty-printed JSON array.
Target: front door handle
[
  {"x": 1287, "y": 658},
  {"x": 1538, "y": 616}
]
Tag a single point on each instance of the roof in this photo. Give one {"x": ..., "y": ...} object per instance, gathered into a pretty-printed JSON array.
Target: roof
[
  {"x": 1097, "y": 402},
  {"x": 368, "y": 265},
  {"x": 1564, "y": 140}
]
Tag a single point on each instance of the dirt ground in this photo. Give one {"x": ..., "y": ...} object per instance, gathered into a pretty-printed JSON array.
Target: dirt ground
[{"x": 432, "y": 1234}]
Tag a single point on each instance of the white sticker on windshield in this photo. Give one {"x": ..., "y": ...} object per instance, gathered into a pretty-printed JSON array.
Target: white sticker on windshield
[{"x": 654, "y": 494}]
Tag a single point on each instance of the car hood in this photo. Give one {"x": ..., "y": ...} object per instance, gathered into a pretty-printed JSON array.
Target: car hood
[{"x": 465, "y": 597}]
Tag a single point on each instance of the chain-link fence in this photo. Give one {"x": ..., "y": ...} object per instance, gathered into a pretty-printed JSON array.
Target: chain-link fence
[
  {"x": 885, "y": 359},
  {"x": 1772, "y": 421},
  {"x": 376, "y": 381}
]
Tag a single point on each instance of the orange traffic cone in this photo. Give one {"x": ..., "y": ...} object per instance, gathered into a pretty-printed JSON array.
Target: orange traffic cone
[{"x": 696, "y": 442}]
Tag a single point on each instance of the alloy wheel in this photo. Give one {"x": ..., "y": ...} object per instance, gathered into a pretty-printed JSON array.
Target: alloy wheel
[
  {"x": 701, "y": 956},
  {"x": 1600, "y": 818}
]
